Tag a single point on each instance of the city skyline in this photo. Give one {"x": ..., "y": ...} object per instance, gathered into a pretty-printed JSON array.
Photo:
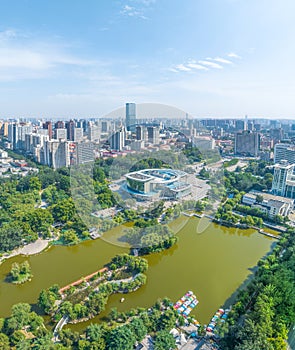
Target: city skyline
[{"x": 210, "y": 59}]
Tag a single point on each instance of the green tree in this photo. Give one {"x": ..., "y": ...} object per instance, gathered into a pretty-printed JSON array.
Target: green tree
[
  {"x": 94, "y": 334},
  {"x": 121, "y": 338},
  {"x": 70, "y": 237},
  {"x": 34, "y": 184},
  {"x": 21, "y": 313},
  {"x": 4, "y": 342},
  {"x": 164, "y": 341},
  {"x": 138, "y": 328},
  {"x": 64, "y": 210},
  {"x": 17, "y": 337}
]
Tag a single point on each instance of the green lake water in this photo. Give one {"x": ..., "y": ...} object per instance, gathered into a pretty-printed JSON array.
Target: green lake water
[{"x": 213, "y": 264}]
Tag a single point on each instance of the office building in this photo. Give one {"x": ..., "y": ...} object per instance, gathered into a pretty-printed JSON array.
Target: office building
[
  {"x": 131, "y": 116},
  {"x": 247, "y": 143}
]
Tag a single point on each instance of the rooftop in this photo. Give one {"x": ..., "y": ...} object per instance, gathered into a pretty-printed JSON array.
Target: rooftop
[{"x": 269, "y": 196}]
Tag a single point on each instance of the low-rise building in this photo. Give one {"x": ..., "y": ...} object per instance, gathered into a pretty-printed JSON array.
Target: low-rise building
[{"x": 268, "y": 203}]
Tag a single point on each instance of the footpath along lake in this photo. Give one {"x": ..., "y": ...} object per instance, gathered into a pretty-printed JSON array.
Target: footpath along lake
[{"x": 213, "y": 264}]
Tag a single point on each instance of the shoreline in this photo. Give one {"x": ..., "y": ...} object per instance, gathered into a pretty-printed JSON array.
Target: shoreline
[{"x": 30, "y": 249}]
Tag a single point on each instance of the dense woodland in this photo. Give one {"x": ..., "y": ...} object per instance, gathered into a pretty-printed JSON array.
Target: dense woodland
[{"x": 265, "y": 310}]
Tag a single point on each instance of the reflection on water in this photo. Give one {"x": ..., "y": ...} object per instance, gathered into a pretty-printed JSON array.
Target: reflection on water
[{"x": 212, "y": 264}]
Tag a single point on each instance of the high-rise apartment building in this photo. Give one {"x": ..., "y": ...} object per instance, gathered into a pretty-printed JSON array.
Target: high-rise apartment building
[
  {"x": 284, "y": 179},
  {"x": 104, "y": 126},
  {"x": 240, "y": 125},
  {"x": 284, "y": 151},
  {"x": 141, "y": 133},
  {"x": 78, "y": 134},
  {"x": 93, "y": 133},
  {"x": 117, "y": 140},
  {"x": 60, "y": 134},
  {"x": 131, "y": 116},
  {"x": 59, "y": 125},
  {"x": 70, "y": 126},
  {"x": 85, "y": 152},
  {"x": 48, "y": 126},
  {"x": 247, "y": 143},
  {"x": 153, "y": 135},
  {"x": 56, "y": 154}
]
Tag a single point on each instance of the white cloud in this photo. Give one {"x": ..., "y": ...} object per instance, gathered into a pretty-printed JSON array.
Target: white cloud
[
  {"x": 182, "y": 67},
  {"x": 211, "y": 64},
  {"x": 233, "y": 55},
  {"x": 173, "y": 70},
  {"x": 132, "y": 11},
  {"x": 145, "y": 2},
  {"x": 36, "y": 60},
  {"x": 128, "y": 8},
  {"x": 8, "y": 34},
  {"x": 27, "y": 59},
  {"x": 221, "y": 60},
  {"x": 137, "y": 8},
  {"x": 197, "y": 66}
]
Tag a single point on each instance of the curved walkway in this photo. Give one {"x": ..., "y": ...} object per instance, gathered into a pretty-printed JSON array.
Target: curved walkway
[
  {"x": 62, "y": 322},
  {"x": 29, "y": 249}
]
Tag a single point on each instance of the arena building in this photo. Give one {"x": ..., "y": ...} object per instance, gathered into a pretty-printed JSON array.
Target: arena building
[{"x": 153, "y": 184}]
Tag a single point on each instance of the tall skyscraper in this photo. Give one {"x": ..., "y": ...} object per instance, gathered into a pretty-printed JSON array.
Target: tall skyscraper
[{"x": 131, "y": 116}]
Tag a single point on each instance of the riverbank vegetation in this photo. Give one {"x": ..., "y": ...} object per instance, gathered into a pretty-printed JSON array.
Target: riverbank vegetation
[
  {"x": 265, "y": 310},
  {"x": 20, "y": 273},
  {"x": 150, "y": 239},
  {"x": 23, "y": 329},
  {"x": 125, "y": 329},
  {"x": 85, "y": 300}
]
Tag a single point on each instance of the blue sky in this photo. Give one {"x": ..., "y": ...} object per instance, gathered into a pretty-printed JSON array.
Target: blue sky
[{"x": 211, "y": 58}]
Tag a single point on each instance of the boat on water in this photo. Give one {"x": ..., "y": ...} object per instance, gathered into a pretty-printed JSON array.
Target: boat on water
[
  {"x": 186, "y": 303},
  {"x": 219, "y": 316}
]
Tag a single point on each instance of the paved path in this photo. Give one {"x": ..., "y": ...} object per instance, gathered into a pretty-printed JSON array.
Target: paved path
[
  {"x": 62, "y": 322},
  {"x": 29, "y": 249}
]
